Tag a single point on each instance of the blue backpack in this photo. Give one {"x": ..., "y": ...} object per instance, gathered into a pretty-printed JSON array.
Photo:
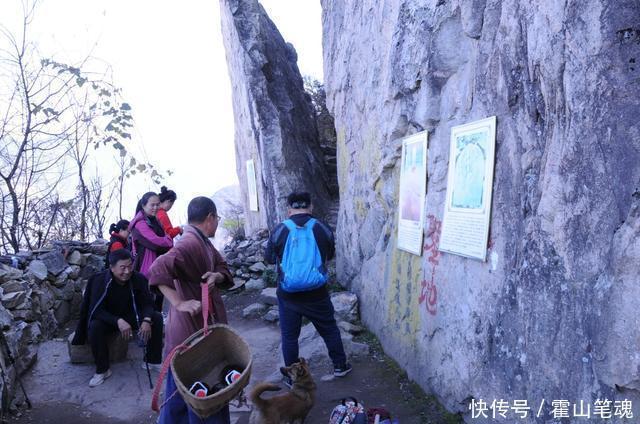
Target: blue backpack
[{"x": 301, "y": 265}]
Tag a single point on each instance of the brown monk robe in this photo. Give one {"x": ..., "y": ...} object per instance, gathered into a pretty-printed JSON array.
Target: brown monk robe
[{"x": 182, "y": 269}]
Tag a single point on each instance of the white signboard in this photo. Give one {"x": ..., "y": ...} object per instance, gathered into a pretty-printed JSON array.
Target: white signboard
[
  {"x": 467, "y": 213},
  {"x": 413, "y": 190},
  {"x": 251, "y": 185}
]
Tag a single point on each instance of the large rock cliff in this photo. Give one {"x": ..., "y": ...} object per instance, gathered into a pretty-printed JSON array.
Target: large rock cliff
[
  {"x": 274, "y": 119},
  {"x": 553, "y": 313}
]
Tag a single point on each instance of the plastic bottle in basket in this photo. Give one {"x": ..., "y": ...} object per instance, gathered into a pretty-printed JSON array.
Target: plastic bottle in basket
[
  {"x": 232, "y": 376},
  {"x": 199, "y": 389}
]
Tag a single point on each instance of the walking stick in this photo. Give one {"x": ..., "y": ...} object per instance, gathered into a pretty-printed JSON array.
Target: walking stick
[
  {"x": 5, "y": 345},
  {"x": 146, "y": 363}
]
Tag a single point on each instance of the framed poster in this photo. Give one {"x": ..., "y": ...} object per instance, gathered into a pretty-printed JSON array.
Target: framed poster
[
  {"x": 251, "y": 186},
  {"x": 467, "y": 213},
  {"x": 413, "y": 191}
]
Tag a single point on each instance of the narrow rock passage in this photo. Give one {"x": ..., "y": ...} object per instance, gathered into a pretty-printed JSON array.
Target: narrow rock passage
[{"x": 60, "y": 392}]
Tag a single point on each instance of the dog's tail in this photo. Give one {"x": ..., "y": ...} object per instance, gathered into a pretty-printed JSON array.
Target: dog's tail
[{"x": 258, "y": 389}]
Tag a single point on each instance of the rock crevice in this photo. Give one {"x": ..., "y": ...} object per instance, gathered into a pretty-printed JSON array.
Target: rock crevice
[{"x": 274, "y": 120}]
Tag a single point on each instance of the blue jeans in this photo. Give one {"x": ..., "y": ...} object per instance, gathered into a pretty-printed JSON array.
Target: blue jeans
[
  {"x": 176, "y": 410},
  {"x": 320, "y": 313}
]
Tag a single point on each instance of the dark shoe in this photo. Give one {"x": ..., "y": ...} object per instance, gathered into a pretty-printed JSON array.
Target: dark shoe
[{"x": 342, "y": 371}]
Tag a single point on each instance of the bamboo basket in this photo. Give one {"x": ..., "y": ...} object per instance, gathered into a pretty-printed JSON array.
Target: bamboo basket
[{"x": 205, "y": 360}]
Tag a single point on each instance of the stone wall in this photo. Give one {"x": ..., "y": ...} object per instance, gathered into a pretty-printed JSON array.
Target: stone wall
[
  {"x": 274, "y": 119},
  {"x": 37, "y": 299},
  {"x": 553, "y": 314}
]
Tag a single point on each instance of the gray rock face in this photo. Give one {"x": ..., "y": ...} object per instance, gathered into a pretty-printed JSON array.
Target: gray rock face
[
  {"x": 8, "y": 273},
  {"x": 38, "y": 269},
  {"x": 255, "y": 284},
  {"x": 553, "y": 313},
  {"x": 76, "y": 258},
  {"x": 269, "y": 296},
  {"x": 345, "y": 305},
  {"x": 350, "y": 328},
  {"x": 254, "y": 310},
  {"x": 23, "y": 341},
  {"x": 6, "y": 318},
  {"x": 257, "y": 267},
  {"x": 272, "y": 315},
  {"x": 62, "y": 311},
  {"x": 54, "y": 262},
  {"x": 274, "y": 120},
  {"x": 13, "y": 299},
  {"x": 94, "y": 263},
  {"x": 14, "y": 286}
]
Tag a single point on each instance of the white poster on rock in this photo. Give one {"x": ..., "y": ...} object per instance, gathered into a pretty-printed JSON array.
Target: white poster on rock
[
  {"x": 251, "y": 185},
  {"x": 413, "y": 191},
  {"x": 467, "y": 213}
]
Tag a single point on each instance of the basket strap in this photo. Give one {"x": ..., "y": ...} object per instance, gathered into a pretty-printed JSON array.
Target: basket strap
[
  {"x": 207, "y": 307},
  {"x": 163, "y": 372}
]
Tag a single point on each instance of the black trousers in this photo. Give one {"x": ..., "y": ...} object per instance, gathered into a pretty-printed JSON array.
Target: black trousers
[
  {"x": 100, "y": 331},
  {"x": 158, "y": 301}
]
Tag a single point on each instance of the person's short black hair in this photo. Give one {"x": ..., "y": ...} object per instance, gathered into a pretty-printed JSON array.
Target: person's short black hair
[
  {"x": 166, "y": 194},
  {"x": 299, "y": 200},
  {"x": 199, "y": 208},
  {"x": 119, "y": 255}
]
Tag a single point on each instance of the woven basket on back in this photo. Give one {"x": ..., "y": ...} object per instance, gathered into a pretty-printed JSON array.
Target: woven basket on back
[{"x": 205, "y": 360}]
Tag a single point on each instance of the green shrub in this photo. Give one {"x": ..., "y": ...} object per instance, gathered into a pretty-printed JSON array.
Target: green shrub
[
  {"x": 270, "y": 277},
  {"x": 235, "y": 226}
]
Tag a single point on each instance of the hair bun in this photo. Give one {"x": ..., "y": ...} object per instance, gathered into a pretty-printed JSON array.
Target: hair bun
[{"x": 163, "y": 189}]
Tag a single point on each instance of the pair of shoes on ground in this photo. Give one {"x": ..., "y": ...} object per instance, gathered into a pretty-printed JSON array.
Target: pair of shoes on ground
[
  {"x": 98, "y": 379},
  {"x": 152, "y": 367},
  {"x": 337, "y": 372}
]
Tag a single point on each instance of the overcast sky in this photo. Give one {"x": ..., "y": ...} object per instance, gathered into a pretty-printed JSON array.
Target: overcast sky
[{"x": 169, "y": 60}]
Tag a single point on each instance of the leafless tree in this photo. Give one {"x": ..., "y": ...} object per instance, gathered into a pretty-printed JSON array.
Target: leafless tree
[
  {"x": 49, "y": 112},
  {"x": 234, "y": 222},
  {"x": 32, "y": 126},
  {"x": 100, "y": 198}
]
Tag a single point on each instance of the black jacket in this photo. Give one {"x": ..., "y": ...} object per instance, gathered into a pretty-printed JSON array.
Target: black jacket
[
  {"x": 275, "y": 249},
  {"x": 93, "y": 305}
]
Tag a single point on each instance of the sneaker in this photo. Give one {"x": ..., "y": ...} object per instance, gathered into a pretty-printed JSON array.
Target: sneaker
[
  {"x": 98, "y": 379},
  {"x": 342, "y": 371},
  {"x": 152, "y": 367}
]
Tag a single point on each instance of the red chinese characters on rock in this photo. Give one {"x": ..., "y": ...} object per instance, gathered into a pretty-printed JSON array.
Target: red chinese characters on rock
[
  {"x": 429, "y": 290},
  {"x": 432, "y": 239},
  {"x": 429, "y": 295}
]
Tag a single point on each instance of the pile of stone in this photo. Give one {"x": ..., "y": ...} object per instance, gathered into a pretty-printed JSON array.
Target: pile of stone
[
  {"x": 40, "y": 293},
  {"x": 246, "y": 261}
]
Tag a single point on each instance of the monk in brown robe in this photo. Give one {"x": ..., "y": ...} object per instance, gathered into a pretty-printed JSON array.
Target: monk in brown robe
[{"x": 178, "y": 274}]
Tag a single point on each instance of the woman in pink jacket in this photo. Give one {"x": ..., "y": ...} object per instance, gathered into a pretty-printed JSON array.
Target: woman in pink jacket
[{"x": 148, "y": 238}]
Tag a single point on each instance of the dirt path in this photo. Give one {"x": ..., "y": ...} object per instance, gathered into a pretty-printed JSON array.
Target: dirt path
[{"x": 61, "y": 394}]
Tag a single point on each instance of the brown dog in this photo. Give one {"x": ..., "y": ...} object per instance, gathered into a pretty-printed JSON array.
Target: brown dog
[{"x": 291, "y": 407}]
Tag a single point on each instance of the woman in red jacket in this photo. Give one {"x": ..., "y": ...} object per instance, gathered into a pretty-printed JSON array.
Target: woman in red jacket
[
  {"x": 119, "y": 235},
  {"x": 119, "y": 238},
  {"x": 167, "y": 198}
]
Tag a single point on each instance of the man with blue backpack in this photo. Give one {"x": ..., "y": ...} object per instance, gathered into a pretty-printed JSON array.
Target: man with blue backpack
[{"x": 301, "y": 246}]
